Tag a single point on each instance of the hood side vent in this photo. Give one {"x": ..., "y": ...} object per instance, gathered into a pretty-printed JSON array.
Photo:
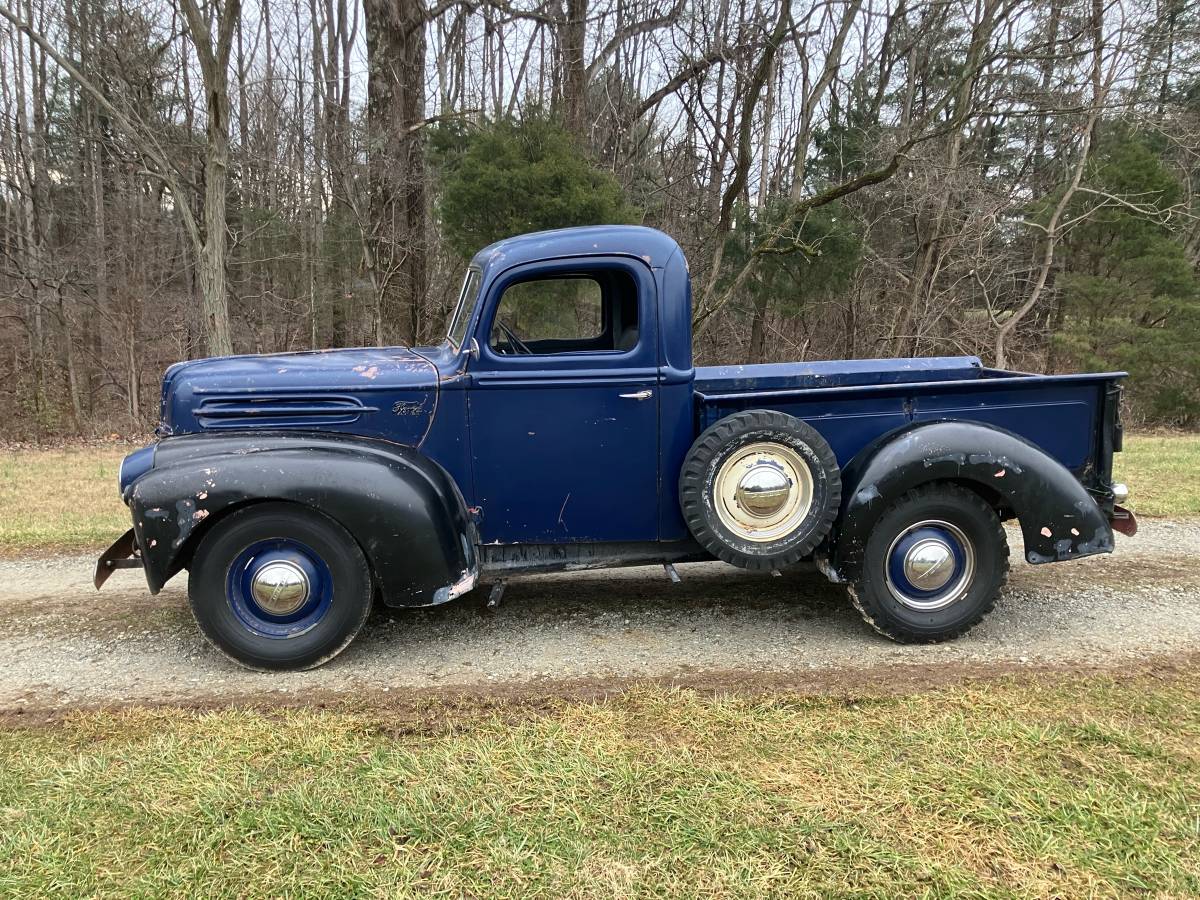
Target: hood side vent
[{"x": 278, "y": 411}]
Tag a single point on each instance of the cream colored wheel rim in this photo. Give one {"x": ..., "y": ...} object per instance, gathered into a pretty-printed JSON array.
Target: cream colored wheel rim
[{"x": 763, "y": 491}]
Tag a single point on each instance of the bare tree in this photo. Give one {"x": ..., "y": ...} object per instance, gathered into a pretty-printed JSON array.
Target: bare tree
[{"x": 207, "y": 232}]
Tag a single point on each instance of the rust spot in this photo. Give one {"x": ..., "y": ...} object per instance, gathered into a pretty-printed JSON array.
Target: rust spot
[
  {"x": 1046, "y": 532},
  {"x": 200, "y": 515}
]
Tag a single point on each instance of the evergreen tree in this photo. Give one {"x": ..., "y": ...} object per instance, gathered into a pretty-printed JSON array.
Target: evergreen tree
[
  {"x": 1131, "y": 297},
  {"x": 512, "y": 177}
]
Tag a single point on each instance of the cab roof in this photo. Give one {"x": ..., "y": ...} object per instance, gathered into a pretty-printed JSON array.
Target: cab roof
[{"x": 649, "y": 244}]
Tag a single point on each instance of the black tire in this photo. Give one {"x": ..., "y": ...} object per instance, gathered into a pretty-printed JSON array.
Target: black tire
[
  {"x": 698, "y": 489},
  {"x": 882, "y": 594},
  {"x": 337, "y": 579}
]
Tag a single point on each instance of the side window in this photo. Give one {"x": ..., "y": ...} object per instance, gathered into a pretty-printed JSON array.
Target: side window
[{"x": 586, "y": 312}]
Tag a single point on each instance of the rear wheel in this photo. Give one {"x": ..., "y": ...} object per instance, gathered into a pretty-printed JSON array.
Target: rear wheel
[
  {"x": 279, "y": 586},
  {"x": 934, "y": 565}
]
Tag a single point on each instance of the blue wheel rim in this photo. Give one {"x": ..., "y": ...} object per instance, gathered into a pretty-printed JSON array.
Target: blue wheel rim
[
  {"x": 260, "y": 620},
  {"x": 953, "y": 577}
]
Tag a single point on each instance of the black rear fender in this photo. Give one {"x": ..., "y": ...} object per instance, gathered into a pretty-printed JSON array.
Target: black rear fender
[
  {"x": 403, "y": 509},
  {"x": 1059, "y": 519}
]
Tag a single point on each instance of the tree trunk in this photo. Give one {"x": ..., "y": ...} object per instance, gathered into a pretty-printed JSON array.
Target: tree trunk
[
  {"x": 1053, "y": 226},
  {"x": 211, "y": 236},
  {"x": 212, "y": 259},
  {"x": 572, "y": 42},
  {"x": 758, "y": 329},
  {"x": 396, "y": 165}
]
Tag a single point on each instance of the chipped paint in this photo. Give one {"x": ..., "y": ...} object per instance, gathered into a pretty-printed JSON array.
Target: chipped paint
[
  {"x": 464, "y": 584},
  {"x": 866, "y": 494}
]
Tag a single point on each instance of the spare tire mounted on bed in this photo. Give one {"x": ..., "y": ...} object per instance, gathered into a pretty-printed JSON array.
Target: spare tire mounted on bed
[{"x": 760, "y": 489}]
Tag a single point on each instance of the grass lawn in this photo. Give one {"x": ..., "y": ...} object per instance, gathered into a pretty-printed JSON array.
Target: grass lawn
[
  {"x": 1036, "y": 787},
  {"x": 67, "y": 499},
  {"x": 1163, "y": 474}
]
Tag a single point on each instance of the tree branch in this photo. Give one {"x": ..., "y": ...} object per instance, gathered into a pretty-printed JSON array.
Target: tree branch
[{"x": 631, "y": 31}]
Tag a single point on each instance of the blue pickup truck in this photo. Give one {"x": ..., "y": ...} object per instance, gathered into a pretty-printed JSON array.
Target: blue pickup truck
[{"x": 562, "y": 425}]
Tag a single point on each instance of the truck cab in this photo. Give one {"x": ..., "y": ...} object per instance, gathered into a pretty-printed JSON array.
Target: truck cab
[
  {"x": 570, "y": 372},
  {"x": 562, "y": 424}
]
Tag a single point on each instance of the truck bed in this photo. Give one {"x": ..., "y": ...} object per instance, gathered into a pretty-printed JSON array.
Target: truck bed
[{"x": 853, "y": 402}]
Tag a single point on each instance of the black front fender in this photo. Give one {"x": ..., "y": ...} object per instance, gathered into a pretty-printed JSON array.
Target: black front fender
[
  {"x": 403, "y": 509},
  {"x": 1059, "y": 519}
]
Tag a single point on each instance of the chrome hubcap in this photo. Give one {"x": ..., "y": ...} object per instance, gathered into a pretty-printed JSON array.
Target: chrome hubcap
[
  {"x": 763, "y": 491},
  {"x": 280, "y": 587},
  {"x": 930, "y": 565}
]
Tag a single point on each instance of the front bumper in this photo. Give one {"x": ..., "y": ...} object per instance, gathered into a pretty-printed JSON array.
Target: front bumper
[{"x": 123, "y": 554}]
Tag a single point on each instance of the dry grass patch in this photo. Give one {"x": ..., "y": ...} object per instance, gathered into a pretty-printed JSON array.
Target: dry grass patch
[{"x": 60, "y": 499}]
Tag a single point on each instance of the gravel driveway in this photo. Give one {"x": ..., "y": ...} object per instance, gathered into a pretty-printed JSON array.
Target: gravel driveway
[{"x": 62, "y": 644}]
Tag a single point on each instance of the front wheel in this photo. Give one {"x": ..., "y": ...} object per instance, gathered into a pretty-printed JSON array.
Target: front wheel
[
  {"x": 279, "y": 586},
  {"x": 934, "y": 565}
]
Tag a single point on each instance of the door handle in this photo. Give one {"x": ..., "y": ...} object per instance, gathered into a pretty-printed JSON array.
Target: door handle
[{"x": 639, "y": 395}]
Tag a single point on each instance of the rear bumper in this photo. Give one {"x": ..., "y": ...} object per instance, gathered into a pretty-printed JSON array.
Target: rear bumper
[
  {"x": 123, "y": 554},
  {"x": 1123, "y": 520}
]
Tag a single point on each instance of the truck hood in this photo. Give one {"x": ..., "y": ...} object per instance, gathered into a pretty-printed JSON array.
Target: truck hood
[{"x": 387, "y": 392}]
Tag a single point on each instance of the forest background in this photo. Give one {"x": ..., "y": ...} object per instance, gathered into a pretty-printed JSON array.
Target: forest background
[{"x": 1016, "y": 179}]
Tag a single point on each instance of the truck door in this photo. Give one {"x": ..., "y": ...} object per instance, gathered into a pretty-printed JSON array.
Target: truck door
[{"x": 563, "y": 403}]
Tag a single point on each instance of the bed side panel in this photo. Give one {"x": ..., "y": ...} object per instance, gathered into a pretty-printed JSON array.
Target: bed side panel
[{"x": 1061, "y": 414}]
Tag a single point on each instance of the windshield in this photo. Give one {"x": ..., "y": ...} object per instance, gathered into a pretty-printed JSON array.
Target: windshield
[{"x": 462, "y": 310}]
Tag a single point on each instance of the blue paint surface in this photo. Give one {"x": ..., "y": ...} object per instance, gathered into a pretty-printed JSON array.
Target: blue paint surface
[{"x": 545, "y": 449}]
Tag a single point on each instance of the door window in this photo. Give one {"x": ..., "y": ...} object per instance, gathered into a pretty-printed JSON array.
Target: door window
[{"x": 592, "y": 312}]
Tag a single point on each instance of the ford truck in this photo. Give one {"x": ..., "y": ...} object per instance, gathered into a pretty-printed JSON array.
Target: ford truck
[{"x": 561, "y": 424}]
